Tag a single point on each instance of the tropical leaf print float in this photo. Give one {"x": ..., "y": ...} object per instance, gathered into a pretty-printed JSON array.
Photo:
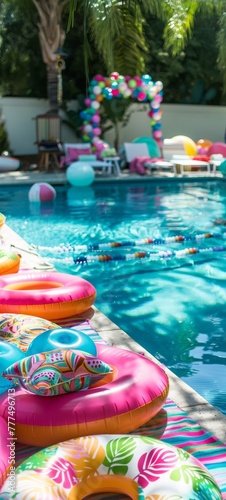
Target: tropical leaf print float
[
  {"x": 164, "y": 497},
  {"x": 38, "y": 460},
  {"x": 119, "y": 453},
  {"x": 86, "y": 454},
  {"x": 61, "y": 472},
  {"x": 202, "y": 483},
  {"x": 152, "y": 465},
  {"x": 35, "y": 486}
]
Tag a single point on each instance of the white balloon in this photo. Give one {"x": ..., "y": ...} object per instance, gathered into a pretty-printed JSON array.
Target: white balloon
[
  {"x": 95, "y": 105},
  {"x": 96, "y": 90}
]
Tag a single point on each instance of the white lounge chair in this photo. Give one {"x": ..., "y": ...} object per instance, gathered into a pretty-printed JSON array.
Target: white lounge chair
[{"x": 140, "y": 152}]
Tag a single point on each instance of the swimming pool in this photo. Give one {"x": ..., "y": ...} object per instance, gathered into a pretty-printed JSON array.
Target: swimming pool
[{"x": 174, "y": 307}]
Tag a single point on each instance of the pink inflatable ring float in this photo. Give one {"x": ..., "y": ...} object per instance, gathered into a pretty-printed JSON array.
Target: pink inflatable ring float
[
  {"x": 48, "y": 295},
  {"x": 134, "y": 394}
]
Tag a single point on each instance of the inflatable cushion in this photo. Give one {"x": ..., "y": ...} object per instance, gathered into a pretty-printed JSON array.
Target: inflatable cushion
[{"x": 57, "y": 372}]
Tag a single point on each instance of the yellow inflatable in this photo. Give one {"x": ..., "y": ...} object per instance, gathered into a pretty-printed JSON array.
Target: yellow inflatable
[{"x": 189, "y": 145}]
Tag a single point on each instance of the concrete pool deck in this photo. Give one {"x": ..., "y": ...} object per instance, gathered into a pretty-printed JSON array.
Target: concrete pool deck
[
  {"x": 184, "y": 396},
  {"x": 59, "y": 177}
]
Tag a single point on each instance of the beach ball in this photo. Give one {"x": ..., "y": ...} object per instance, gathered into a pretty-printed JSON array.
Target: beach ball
[
  {"x": 80, "y": 173},
  {"x": 189, "y": 145},
  {"x": 41, "y": 192}
]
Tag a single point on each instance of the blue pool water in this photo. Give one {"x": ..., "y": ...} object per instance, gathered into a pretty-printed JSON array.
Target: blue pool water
[{"x": 173, "y": 307}]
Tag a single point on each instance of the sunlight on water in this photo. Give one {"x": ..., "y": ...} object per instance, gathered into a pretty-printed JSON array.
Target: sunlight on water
[{"x": 174, "y": 307}]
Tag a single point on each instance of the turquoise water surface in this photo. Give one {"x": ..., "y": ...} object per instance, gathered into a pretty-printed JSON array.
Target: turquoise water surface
[{"x": 174, "y": 307}]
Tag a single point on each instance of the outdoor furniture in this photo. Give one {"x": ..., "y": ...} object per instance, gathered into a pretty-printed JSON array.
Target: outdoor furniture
[
  {"x": 137, "y": 155},
  {"x": 181, "y": 163},
  {"x": 174, "y": 152},
  {"x": 48, "y": 140},
  {"x": 83, "y": 152}
]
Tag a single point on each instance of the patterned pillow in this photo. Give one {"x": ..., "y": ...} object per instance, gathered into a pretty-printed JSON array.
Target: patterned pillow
[{"x": 57, "y": 372}]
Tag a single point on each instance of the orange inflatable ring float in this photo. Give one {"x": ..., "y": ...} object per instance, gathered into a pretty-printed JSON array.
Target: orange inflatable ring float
[
  {"x": 9, "y": 262},
  {"x": 135, "y": 393},
  {"x": 2, "y": 220},
  {"x": 140, "y": 467},
  {"x": 48, "y": 295}
]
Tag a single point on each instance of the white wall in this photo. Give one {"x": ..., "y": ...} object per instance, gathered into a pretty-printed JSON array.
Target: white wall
[
  {"x": 19, "y": 117},
  {"x": 196, "y": 122}
]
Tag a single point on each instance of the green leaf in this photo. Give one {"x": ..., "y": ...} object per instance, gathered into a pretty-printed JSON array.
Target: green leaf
[
  {"x": 120, "y": 470},
  {"x": 119, "y": 452}
]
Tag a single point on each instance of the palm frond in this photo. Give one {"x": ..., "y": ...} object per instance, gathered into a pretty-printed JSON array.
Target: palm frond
[
  {"x": 180, "y": 23},
  {"x": 221, "y": 42}
]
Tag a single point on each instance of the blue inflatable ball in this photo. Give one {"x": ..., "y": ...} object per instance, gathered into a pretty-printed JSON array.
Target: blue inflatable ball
[
  {"x": 9, "y": 354},
  {"x": 62, "y": 338},
  {"x": 80, "y": 173}
]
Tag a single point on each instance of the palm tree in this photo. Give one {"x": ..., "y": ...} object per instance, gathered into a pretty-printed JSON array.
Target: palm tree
[
  {"x": 115, "y": 27},
  {"x": 51, "y": 37}
]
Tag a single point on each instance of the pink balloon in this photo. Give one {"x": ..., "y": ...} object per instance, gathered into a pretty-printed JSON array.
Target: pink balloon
[
  {"x": 99, "y": 147},
  {"x": 99, "y": 78},
  {"x": 158, "y": 98},
  {"x": 138, "y": 80},
  {"x": 95, "y": 119},
  {"x": 97, "y": 131},
  {"x": 217, "y": 148},
  {"x": 141, "y": 96},
  {"x": 157, "y": 134},
  {"x": 87, "y": 101}
]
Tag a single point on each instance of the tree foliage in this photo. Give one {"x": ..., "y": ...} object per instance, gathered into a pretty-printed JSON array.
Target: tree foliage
[{"x": 131, "y": 37}]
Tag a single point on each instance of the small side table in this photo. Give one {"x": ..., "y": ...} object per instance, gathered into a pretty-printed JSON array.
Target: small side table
[
  {"x": 113, "y": 164},
  {"x": 49, "y": 158}
]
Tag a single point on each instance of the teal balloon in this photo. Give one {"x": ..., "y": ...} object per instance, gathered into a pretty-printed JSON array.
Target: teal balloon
[
  {"x": 222, "y": 168},
  {"x": 9, "y": 354},
  {"x": 62, "y": 338}
]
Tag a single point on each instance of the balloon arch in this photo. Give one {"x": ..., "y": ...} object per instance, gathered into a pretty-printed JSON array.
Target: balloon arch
[{"x": 142, "y": 89}]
